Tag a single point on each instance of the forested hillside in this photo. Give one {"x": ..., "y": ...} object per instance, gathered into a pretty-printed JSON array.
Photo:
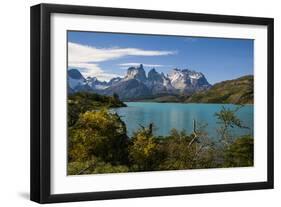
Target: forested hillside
[{"x": 237, "y": 91}]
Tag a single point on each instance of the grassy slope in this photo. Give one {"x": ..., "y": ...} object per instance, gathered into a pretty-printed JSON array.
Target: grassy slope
[{"x": 237, "y": 91}]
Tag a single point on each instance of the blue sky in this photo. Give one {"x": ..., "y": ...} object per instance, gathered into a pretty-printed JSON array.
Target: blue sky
[{"x": 107, "y": 55}]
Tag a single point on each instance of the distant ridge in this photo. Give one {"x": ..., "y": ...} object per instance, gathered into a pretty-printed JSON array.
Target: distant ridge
[{"x": 237, "y": 91}]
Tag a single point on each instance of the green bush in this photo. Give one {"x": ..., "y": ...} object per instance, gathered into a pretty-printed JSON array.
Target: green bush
[
  {"x": 100, "y": 134},
  {"x": 144, "y": 151},
  {"x": 94, "y": 166},
  {"x": 240, "y": 153}
]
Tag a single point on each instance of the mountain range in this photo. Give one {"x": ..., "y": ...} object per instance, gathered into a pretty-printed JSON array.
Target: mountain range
[{"x": 136, "y": 84}]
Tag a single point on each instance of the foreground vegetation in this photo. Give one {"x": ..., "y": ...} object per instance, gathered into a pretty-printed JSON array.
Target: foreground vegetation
[{"x": 98, "y": 142}]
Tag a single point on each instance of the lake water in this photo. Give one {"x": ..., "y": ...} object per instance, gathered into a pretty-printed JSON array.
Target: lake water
[{"x": 167, "y": 116}]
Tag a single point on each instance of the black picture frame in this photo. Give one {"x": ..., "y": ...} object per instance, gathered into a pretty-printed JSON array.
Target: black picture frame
[{"x": 41, "y": 98}]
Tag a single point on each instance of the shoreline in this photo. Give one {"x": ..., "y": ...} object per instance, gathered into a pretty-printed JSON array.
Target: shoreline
[{"x": 143, "y": 101}]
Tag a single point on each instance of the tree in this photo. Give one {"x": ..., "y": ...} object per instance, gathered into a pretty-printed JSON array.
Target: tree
[
  {"x": 187, "y": 151},
  {"x": 144, "y": 150},
  {"x": 240, "y": 153},
  {"x": 228, "y": 119},
  {"x": 235, "y": 152},
  {"x": 98, "y": 134},
  {"x": 116, "y": 97},
  {"x": 81, "y": 102}
]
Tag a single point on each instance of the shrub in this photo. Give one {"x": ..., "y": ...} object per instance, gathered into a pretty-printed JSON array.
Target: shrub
[
  {"x": 240, "y": 153},
  {"x": 100, "y": 134}
]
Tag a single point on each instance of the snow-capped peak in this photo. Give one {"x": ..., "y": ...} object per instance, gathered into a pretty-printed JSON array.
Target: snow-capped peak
[
  {"x": 182, "y": 79},
  {"x": 195, "y": 75}
]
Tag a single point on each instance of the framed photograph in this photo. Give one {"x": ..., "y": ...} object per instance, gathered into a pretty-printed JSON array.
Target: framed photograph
[{"x": 133, "y": 103}]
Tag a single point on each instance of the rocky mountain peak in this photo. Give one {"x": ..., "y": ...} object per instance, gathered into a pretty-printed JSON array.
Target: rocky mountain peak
[
  {"x": 91, "y": 79},
  {"x": 137, "y": 73},
  {"x": 94, "y": 83},
  {"x": 153, "y": 75},
  {"x": 75, "y": 74},
  {"x": 187, "y": 79},
  {"x": 76, "y": 81},
  {"x": 114, "y": 80}
]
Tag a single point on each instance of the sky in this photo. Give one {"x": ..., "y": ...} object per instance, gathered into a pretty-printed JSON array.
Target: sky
[{"x": 108, "y": 55}]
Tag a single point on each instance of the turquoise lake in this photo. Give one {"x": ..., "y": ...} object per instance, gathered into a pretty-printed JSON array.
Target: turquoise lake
[{"x": 180, "y": 116}]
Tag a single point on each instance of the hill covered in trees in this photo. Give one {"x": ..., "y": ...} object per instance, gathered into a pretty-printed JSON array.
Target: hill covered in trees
[{"x": 237, "y": 91}]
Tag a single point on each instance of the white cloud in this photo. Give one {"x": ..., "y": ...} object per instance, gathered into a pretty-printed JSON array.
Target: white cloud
[
  {"x": 89, "y": 66},
  {"x": 137, "y": 64},
  {"x": 82, "y": 53},
  {"x": 86, "y": 58}
]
